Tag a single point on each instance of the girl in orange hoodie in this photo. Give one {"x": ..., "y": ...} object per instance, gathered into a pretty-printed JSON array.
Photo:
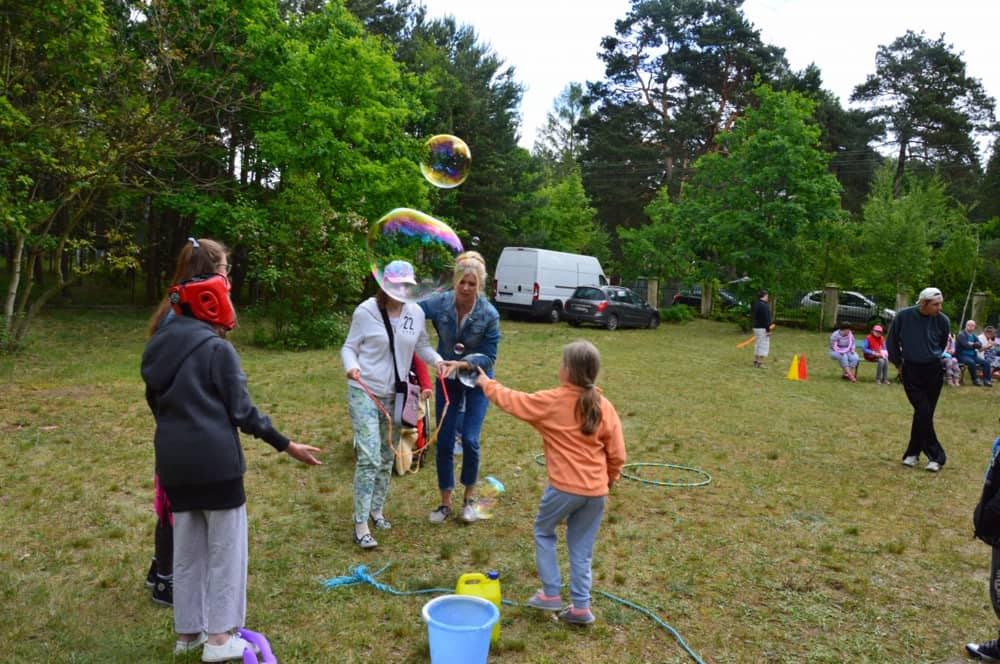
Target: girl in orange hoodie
[{"x": 584, "y": 455}]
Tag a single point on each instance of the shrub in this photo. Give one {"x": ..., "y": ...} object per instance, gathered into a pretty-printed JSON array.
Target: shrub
[{"x": 679, "y": 313}]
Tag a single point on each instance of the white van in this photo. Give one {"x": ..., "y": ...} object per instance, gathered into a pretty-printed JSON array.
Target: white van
[{"x": 536, "y": 282}]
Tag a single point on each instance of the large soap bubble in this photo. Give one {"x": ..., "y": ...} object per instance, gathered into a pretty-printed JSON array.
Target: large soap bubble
[
  {"x": 428, "y": 245},
  {"x": 489, "y": 492},
  {"x": 446, "y": 161}
]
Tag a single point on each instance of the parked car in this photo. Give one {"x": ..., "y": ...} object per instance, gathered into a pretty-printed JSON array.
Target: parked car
[
  {"x": 609, "y": 306},
  {"x": 537, "y": 282},
  {"x": 852, "y": 307},
  {"x": 692, "y": 298}
]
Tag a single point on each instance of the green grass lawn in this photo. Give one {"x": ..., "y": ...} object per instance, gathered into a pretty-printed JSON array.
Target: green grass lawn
[{"x": 811, "y": 544}]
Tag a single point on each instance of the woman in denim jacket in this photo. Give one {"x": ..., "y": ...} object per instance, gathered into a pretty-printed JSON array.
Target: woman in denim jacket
[{"x": 466, "y": 324}]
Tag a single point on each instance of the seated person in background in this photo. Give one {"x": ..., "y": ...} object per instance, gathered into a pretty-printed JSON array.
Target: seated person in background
[
  {"x": 989, "y": 349},
  {"x": 952, "y": 369},
  {"x": 874, "y": 350},
  {"x": 842, "y": 351},
  {"x": 968, "y": 343}
]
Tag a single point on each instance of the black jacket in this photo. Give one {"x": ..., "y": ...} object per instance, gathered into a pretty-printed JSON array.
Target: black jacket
[
  {"x": 198, "y": 394},
  {"x": 761, "y": 314},
  {"x": 986, "y": 517}
]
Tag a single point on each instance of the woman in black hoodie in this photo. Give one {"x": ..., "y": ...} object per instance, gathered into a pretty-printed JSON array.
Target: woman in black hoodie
[{"x": 198, "y": 394}]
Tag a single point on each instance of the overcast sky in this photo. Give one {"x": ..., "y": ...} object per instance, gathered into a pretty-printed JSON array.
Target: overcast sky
[{"x": 554, "y": 42}]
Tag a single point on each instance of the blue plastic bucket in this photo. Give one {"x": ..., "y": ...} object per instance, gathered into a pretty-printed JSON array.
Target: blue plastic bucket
[{"x": 458, "y": 627}]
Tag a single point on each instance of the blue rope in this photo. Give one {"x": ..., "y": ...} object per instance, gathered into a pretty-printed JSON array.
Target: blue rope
[
  {"x": 359, "y": 574},
  {"x": 540, "y": 460},
  {"x": 646, "y": 612}
]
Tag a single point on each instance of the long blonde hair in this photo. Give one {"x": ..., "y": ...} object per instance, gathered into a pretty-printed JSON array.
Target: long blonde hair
[
  {"x": 470, "y": 262},
  {"x": 195, "y": 258},
  {"x": 581, "y": 362}
]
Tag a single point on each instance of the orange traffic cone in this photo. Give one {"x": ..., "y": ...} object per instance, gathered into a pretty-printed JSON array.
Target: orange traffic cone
[
  {"x": 793, "y": 370},
  {"x": 803, "y": 374}
]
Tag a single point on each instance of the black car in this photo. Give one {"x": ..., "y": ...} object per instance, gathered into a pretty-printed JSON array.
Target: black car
[
  {"x": 609, "y": 306},
  {"x": 692, "y": 298}
]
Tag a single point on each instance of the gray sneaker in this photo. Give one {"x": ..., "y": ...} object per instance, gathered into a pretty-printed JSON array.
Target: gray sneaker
[
  {"x": 910, "y": 461},
  {"x": 440, "y": 514},
  {"x": 577, "y": 616},
  {"x": 544, "y": 602}
]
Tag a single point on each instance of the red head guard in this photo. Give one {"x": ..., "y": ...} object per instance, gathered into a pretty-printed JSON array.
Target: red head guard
[{"x": 205, "y": 297}]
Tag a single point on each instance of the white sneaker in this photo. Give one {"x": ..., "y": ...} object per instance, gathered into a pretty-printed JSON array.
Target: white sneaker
[
  {"x": 933, "y": 466},
  {"x": 469, "y": 513},
  {"x": 440, "y": 514},
  {"x": 910, "y": 461},
  {"x": 182, "y": 647},
  {"x": 227, "y": 652}
]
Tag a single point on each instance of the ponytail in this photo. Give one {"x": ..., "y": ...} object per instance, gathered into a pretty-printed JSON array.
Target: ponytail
[{"x": 582, "y": 362}]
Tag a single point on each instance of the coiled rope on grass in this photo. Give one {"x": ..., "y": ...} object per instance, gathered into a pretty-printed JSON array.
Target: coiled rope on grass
[
  {"x": 706, "y": 478},
  {"x": 359, "y": 574}
]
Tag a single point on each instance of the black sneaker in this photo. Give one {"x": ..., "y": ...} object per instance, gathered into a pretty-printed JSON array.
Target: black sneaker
[
  {"x": 163, "y": 591},
  {"x": 989, "y": 651},
  {"x": 151, "y": 574}
]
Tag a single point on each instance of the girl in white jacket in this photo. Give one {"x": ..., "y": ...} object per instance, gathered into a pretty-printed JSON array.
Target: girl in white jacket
[{"x": 368, "y": 363}]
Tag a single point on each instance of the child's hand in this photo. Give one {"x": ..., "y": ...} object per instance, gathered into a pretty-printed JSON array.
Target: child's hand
[
  {"x": 302, "y": 453},
  {"x": 425, "y": 394},
  {"x": 482, "y": 378},
  {"x": 354, "y": 374}
]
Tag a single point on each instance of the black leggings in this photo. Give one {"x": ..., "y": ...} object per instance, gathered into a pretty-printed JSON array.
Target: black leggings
[
  {"x": 165, "y": 548},
  {"x": 995, "y": 581}
]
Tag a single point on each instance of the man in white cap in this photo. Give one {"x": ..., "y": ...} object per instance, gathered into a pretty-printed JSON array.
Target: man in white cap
[{"x": 917, "y": 338}]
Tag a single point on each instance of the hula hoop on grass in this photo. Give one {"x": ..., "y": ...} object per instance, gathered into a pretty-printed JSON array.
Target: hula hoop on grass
[
  {"x": 697, "y": 471},
  {"x": 540, "y": 460}
]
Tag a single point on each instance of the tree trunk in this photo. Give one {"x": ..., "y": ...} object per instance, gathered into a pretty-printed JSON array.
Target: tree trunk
[
  {"x": 15, "y": 280},
  {"x": 897, "y": 185}
]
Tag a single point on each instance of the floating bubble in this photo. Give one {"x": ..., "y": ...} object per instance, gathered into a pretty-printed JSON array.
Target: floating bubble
[
  {"x": 459, "y": 348},
  {"x": 474, "y": 241},
  {"x": 427, "y": 244},
  {"x": 468, "y": 377},
  {"x": 446, "y": 161},
  {"x": 489, "y": 491}
]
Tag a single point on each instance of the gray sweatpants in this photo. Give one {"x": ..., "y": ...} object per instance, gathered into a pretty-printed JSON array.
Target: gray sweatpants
[
  {"x": 210, "y": 570},
  {"x": 582, "y": 515}
]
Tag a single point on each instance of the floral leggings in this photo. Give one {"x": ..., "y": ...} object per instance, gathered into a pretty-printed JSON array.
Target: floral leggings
[{"x": 374, "y": 456}]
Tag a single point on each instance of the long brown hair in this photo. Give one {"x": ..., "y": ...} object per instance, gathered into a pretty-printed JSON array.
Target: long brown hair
[
  {"x": 582, "y": 362},
  {"x": 195, "y": 258}
]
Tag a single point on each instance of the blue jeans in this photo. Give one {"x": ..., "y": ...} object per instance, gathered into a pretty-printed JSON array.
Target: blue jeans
[
  {"x": 975, "y": 365},
  {"x": 583, "y": 519},
  {"x": 471, "y": 423},
  {"x": 845, "y": 360}
]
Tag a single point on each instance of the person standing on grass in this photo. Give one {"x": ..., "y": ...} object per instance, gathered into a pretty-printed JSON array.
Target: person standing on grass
[
  {"x": 760, "y": 316},
  {"x": 385, "y": 333},
  {"x": 584, "y": 454},
  {"x": 466, "y": 324},
  {"x": 198, "y": 394},
  {"x": 916, "y": 342},
  {"x": 195, "y": 257},
  {"x": 986, "y": 525}
]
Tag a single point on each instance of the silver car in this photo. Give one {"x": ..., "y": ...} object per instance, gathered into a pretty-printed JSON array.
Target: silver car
[{"x": 852, "y": 307}]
